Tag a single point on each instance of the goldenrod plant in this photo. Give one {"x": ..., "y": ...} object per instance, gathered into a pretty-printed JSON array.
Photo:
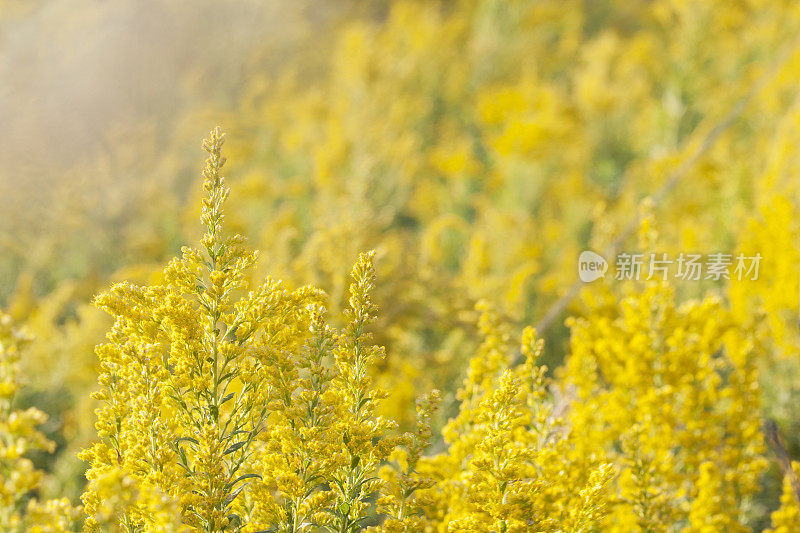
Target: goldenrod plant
[
  {"x": 478, "y": 147},
  {"x": 670, "y": 392},
  {"x": 235, "y": 404},
  {"x": 227, "y": 407},
  {"x": 510, "y": 463},
  {"x": 20, "y": 510},
  {"x": 400, "y": 501},
  {"x": 786, "y": 519}
]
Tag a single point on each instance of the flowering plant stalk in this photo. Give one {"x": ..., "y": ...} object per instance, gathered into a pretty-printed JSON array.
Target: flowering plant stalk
[{"x": 227, "y": 406}]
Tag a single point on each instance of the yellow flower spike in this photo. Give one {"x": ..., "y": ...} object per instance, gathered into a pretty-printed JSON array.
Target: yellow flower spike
[
  {"x": 190, "y": 362},
  {"x": 231, "y": 403},
  {"x": 510, "y": 465}
]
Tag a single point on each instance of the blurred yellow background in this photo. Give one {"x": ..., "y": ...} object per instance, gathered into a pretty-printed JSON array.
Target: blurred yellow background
[{"x": 478, "y": 146}]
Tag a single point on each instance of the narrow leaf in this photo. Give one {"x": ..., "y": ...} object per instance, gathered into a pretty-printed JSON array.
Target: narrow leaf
[{"x": 233, "y": 447}]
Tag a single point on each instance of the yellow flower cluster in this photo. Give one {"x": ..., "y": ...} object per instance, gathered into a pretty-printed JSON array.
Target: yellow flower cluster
[
  {"x": 399, "y": 502},
  {"x": 510, "y": 464},
  {"x": 477, "y": 146},
  {"x": 671, "y": 394},
  {"x": 786, "y": 519},
  {"x": 229, "y": 406},
  {"x": 19, "y": 435}
]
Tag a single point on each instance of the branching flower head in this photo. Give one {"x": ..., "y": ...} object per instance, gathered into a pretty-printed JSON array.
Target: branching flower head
[{"x": 235, "y": 404}]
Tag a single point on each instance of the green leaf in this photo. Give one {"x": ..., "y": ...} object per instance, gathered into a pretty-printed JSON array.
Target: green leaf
[
  {"x": 234, "y": 519},
  {"x": 233, "y": 447},
  {"x": 232, "y": 496},
  {"x": 226, "y": 376},
  {"x": 237, "y": 432},
  {"x": 242, "y": 478},
  {"x": 182, "y": 453}
]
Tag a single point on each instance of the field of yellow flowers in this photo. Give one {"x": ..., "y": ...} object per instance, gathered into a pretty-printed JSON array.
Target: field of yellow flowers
[{"x": 451, "y": 266}]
